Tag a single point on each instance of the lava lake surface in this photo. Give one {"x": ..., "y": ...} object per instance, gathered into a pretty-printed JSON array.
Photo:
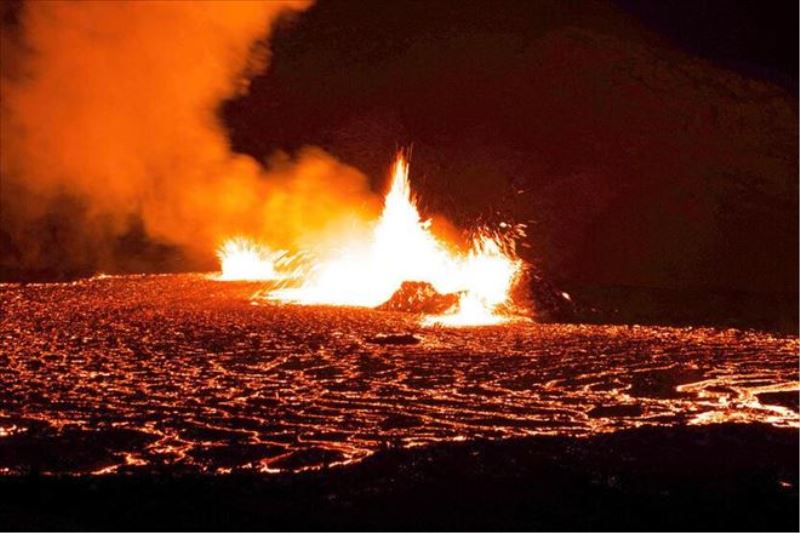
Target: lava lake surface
[{"x": 186, "y": 374}]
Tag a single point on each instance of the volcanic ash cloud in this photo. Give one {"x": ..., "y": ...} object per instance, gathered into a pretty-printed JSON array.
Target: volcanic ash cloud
[{"x": 115, "y": 105}]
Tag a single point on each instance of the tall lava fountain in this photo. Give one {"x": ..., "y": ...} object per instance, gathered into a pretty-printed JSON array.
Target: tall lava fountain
[{"x": 367, "y": 267}]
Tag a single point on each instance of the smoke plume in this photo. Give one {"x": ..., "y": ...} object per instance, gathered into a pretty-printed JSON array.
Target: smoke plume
[{"x": 110, "y": 118}]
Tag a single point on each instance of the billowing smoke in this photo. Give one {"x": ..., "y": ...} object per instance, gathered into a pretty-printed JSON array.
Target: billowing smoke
[{"x": 110, "y": 119}]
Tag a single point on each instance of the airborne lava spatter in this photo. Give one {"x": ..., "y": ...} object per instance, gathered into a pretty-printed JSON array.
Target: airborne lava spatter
[
  {"x": 400, "y": 247},
  {"x": 243, "y": 259}
]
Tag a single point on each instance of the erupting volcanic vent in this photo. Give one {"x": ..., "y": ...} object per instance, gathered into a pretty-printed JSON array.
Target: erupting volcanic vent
[{"x": 400, "y": 247}]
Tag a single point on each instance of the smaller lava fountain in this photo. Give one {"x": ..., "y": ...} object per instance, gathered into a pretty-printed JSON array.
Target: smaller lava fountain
[
  {"x": 400, "y": 248},
  {"x": 242, "y": 259}
]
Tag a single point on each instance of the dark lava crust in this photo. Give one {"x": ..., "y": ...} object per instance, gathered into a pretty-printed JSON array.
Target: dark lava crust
[{"x": 723, "y": 477}]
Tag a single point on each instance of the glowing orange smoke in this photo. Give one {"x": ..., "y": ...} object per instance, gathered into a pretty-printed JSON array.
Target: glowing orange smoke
[{"x": 401, "y": 247}]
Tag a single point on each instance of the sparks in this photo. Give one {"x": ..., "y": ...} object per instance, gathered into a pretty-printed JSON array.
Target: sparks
[
  {"x": 242, "y": 259},
  {"x": 400, "y": 247}
]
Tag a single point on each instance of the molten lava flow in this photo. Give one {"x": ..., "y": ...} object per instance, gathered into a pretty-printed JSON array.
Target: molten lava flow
[
  {"x": 403, "y": 248},
  {"x": 243, "y": 259},
  {"x": 488, "y": 275}
]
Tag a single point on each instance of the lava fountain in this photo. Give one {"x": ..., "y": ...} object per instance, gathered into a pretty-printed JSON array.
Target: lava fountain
[{"x": 399, "y": 248}]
